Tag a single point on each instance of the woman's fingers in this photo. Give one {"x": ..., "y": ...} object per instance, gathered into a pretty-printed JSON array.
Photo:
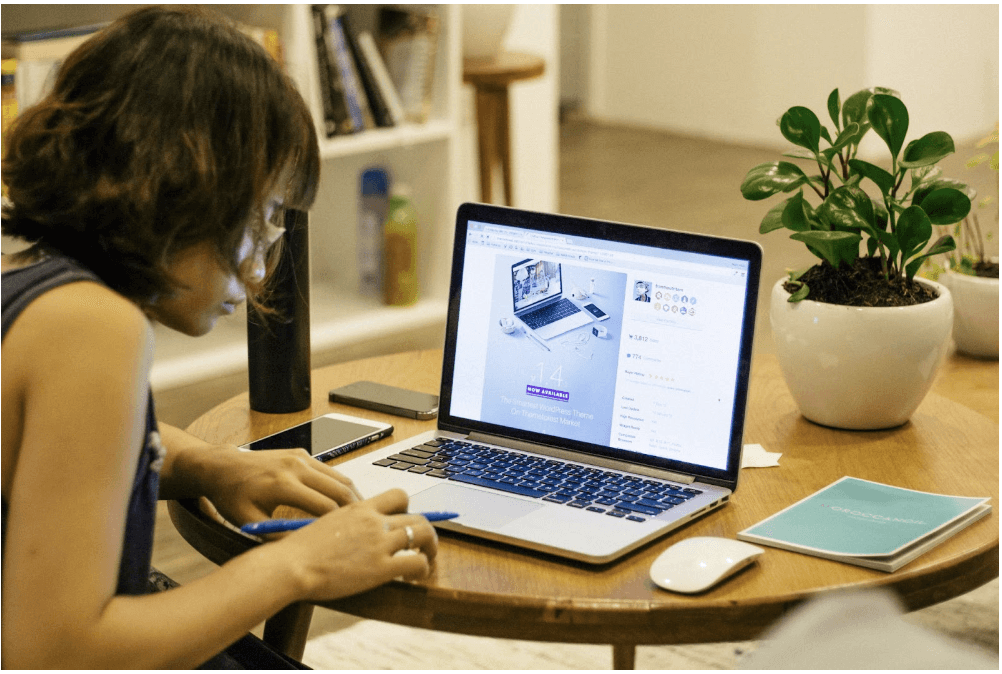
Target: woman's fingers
[{"x": 412, "y": 532}]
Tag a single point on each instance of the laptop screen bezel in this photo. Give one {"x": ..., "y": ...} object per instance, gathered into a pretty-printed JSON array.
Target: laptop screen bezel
[{"x": 746, "y": 251}]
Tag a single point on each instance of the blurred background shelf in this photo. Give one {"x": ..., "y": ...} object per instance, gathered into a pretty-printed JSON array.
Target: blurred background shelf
[{"x": 436, "y": 159}]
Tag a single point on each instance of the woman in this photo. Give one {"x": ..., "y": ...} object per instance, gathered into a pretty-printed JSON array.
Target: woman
[{"x": 151, "y": 182}]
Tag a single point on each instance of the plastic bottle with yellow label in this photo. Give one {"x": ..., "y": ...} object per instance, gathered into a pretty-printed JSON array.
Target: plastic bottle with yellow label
[{"x": 400, "y": 281}]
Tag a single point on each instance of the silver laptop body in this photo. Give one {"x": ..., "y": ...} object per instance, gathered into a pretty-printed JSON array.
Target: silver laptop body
[{"x": 638, "y": 416}]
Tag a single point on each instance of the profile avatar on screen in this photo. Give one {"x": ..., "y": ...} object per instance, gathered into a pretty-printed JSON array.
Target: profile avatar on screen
[{"x": 642, "y": 291}]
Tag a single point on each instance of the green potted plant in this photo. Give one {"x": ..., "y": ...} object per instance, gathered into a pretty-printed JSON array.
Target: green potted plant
[
  {"x": 858, "y": 337},
  {"x": 970, "y": 273}
]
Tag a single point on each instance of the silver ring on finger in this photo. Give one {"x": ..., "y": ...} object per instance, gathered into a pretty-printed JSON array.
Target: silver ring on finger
[{"x": 410, "y": 537}]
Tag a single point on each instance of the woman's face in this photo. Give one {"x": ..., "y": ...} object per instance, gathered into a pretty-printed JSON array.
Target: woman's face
[{"x": 208, "y": 288}]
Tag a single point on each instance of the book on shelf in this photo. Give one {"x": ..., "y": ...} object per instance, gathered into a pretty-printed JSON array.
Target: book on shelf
[
  {"x": 336, "y": 120},
  {"x": 373, "y": 93},
  {"x": 408, "y": 39},
  {"x": 868, "y": 524},
  {"x": 342, "y": 66},
  {"x": 381, "y": 76}
]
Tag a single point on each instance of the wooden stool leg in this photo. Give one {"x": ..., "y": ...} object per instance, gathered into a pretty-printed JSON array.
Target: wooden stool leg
[
  {"x": 287, "y": 630},
  {"x": 623, "y": 656},
  {"x": 486, "y": 125},
  {"x": 504, "y": 141}
]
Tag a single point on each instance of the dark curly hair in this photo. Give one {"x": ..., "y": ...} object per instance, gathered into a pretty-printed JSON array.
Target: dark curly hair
[{"x": 168, "y": 128}]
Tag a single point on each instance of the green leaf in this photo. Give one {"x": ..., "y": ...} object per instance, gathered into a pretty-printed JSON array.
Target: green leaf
[
  {"x": 773, "y": 220},
  {"x": 799, "y": 154},
  {"x": 801, "y": 127},
  {"x": 844, "y": 138},
  {"x": 889, "y": 118},
  {"x": 797, "y": 214},
  {"x": 848, "y": 209},
  {"x": 944, "y": 244},
  {"x": 880, "y": 216},
  {"x": 913, "y": 231},
  {"x": 927, "y": 150},
  {"x": 835, "y": 247},
  {"x": 883, "y": 179},
  {"x": 826, "y": 156},
  {"x": 945, "y": 206},
  {"x": 889, "y": 241},
  {"x": 931, "y": 186},
  {"x": 854, "y": 109},
  {"x": 764, "y": 180},
  {"x": 834, "y": 105},
  {"x": 925, "y": 174},
  {"x": 802, "y": 292}
]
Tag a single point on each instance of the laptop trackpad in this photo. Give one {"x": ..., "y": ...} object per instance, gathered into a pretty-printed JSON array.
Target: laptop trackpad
[{"x": 477, "y": 509}]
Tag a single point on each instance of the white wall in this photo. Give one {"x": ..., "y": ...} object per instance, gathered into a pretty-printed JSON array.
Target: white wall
[
  {"x": 943, "y": 59},
  {"x": 729, "y": 71},
  {"x": 534, "y": 116}
]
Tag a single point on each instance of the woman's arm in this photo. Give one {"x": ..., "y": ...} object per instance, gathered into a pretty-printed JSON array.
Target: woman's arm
[
  {"x": 83, "y": 356},
  {"x": 248, "y": 486}
]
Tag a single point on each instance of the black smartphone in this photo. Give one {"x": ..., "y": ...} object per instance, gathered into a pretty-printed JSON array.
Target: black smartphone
[
  {"x": 389, "y": 399},
  {"x": 325, "y": 437},
  {"x": 596, "y": 312}
]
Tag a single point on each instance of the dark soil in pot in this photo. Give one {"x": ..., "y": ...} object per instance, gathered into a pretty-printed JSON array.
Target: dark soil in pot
[{"x": 861, "y": 284}]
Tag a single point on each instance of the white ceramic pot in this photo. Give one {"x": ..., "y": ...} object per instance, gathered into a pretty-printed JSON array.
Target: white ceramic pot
[
  {"x": 975, "y": 314},
  {"x": 860, "y": 368}
]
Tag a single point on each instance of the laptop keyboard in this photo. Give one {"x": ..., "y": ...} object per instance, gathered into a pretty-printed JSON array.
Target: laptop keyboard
[
  {"x": 620, "y": 495},
  {"x": 550, "y": 313}
]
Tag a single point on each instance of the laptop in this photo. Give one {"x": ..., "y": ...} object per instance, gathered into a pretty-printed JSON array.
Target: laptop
[
  {"x": 603, "y": 439},
  {"x": 538, "y": 299}
]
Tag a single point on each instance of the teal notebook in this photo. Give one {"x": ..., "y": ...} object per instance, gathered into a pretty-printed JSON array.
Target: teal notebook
[{"x": 867, "y": 523}]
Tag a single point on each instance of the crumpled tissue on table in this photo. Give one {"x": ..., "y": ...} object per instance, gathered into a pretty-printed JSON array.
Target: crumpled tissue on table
[{"x": 755, "y": 456}]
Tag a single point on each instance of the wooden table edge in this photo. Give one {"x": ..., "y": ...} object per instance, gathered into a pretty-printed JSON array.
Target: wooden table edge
[{"x": 596, "y": 621}]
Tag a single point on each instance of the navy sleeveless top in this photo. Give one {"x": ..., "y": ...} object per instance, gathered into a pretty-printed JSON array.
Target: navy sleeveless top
[{"x": 22, "y": 286}]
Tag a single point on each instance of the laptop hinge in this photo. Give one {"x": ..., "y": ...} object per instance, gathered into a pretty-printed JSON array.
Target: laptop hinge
[{"x": 604, "y": 462}]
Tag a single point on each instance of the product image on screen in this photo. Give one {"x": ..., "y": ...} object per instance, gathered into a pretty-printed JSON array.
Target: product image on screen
[{"x": 533, "y": 281}]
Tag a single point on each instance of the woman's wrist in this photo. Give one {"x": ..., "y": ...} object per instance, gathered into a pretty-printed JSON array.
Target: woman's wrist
[
  {"x": 285, "y": 571},
  {"x": 192, "y": 465},
  {"x": 274, "y": 574}
]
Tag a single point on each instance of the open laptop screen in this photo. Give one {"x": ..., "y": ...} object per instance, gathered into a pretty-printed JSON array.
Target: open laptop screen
[
  {"x": 533, "y": 282},
  {"x": 658, "y": 378}
]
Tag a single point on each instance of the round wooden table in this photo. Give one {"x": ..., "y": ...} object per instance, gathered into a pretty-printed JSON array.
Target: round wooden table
[{"x": 486, "y": 589}]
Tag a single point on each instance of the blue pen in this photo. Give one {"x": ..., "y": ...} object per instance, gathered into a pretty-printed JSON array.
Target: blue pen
[{"x": 276, "y": 526}]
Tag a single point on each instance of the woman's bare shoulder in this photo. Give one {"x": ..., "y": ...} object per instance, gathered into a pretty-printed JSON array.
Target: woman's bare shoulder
[{"x": 82, "y": 315}]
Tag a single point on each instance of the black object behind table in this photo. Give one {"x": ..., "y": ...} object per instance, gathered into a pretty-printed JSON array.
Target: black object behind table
[{"x": 278, "y": 344}]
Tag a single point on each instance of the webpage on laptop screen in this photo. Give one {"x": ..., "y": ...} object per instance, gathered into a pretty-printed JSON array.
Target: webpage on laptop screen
[{"x": 653, "y": 373}]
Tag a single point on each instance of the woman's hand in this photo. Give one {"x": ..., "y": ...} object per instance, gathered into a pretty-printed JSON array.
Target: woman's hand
[
  {"x": 248, "y": 486},
  {"x": 358, "y": 547}
]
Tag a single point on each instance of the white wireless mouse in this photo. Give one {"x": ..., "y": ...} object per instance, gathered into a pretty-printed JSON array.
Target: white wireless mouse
[{"x": 698, "y": 563}]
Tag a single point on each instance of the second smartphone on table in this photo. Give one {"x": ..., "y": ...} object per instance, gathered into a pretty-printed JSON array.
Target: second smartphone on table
[{"x": 389, "y": 399}]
